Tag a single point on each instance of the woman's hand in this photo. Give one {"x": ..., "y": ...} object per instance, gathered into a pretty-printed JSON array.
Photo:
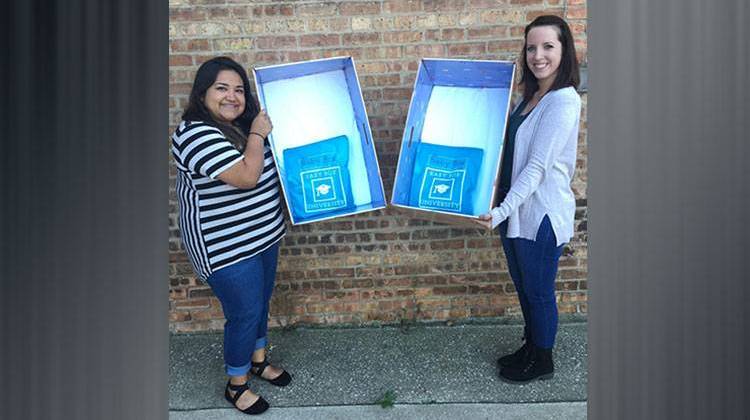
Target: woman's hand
[
  {"x": 261, "y": 124},
  {"x": 485, "y": 221}
]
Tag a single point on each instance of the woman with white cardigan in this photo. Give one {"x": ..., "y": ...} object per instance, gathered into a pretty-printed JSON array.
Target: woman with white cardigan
[{"x": 537, "y": 206}]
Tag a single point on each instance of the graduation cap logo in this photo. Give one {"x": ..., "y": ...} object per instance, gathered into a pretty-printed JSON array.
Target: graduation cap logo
[
  {"x": 322, "y": 189},
  {"x": 442, "y": 188}
]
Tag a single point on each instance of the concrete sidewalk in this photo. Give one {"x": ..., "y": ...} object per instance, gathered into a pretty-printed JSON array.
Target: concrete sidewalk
[{"x": 341, "y": 373}]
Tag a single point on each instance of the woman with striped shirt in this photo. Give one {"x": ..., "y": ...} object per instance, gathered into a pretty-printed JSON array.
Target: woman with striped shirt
[{"x": 230, "y": 216}]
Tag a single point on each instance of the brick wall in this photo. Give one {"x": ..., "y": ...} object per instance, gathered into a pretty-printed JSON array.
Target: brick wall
[{"x": 378, "y": 267}]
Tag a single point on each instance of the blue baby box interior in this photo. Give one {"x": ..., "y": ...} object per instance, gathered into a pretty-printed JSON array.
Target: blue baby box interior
[
  {"x": 445, "y": 177},
  {"x": 316, "y": 107},
  {"x": 457, "y": 119},
  {"x": 318, "y": 178}
]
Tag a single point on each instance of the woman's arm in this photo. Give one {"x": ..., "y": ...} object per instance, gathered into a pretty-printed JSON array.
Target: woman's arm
[{"x": 246, "y": 171}]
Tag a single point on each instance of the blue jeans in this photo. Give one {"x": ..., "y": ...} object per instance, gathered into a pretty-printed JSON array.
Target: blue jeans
[
  {"x": 244, "y": 290},
  {"x": 533, "y": 268}
]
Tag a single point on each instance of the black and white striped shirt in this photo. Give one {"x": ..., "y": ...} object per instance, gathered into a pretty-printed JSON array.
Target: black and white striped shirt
[{"x": 222, "y": 224}]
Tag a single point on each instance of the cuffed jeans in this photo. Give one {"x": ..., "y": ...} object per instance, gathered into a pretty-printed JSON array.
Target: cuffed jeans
[
  {"x": 244, "y": 290},
  {"x": 533, "y": 268}
]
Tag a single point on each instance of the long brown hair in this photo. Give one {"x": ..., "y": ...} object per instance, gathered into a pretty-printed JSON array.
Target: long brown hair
[
  {"x": 567, "y": 73},
  {"x": 196, "y": 110}
]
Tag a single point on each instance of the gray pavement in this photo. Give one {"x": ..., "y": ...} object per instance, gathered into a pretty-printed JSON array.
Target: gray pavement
[
  {"x": 480, "y": 411},
  {"x": 432, "y": 371}
]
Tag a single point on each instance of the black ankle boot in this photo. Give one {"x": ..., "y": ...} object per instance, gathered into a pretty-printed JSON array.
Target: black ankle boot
[
  {"x": 538, "y": 365},
  {"x": 516, "y": 358}
]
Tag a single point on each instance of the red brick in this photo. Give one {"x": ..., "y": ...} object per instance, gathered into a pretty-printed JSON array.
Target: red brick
[
  {"x": 489, "y": 32},
  {"x": 240, "y": 12},
  {"x": 577, "y": 28},
  {"x": 486, "y": 4},
  {"x": 428, "y": 51},
  {"x": 449, "y": 290},
  {"x": 341, "y": 295},
  {"x": 335, "y": 225},
  {"x": 180, "y": 60},
  {"x": 452, "y": 34},
  {"x": 432, "y": 35},
  {"x": 443, "y": 5},
  {"x": 319, "y": 40},
  {"x": 217, "y": 13},
  {"x": 567, "y": 285},
  {"x": 568, "y": 297},
  {"x": 450, "y": 244},
  {"x": 360, "y": 38},
  {"x": 186, "y": 15},
  {"x": 193, "y": 303},
  {"x": 373, "y": 95},
  {"x": 293, "y": 56},
  {"x": 342, "y": 272},
  {"x": 470, "y": 49},
  {"x": 316, "y": 9},
  {"x": 478, "y": 243},
  {"x": 381, "y": 53},
  {"x": 359, "y": 8},
  {"x": 279, "y": 10},
  {"x": 485, "y": 290},
  {"x": 356, "y": 283},
  {"x": 388, "y": 80},
  {"x": 179, "y": 316},
  {"x": 198, "y": 292},
  {"x": 513, "y": 46},
  {"x": 517, "y": 31},
  {"x": 402, "y": 6},
  {"x": 191, "y": 45},
  {"x": 396, "y": 94},
  {"x": 576, "y": 12},
  {"x": 184, "y": 89},
  {"x": 402, "y": 37},
  {"x": 536, "y": 13},
  {"x": 571, "y": 274},
  {"x": 272, "y": 42},
  {"x": 206, "y": 315},
  {"x": 267, "y": 57}
]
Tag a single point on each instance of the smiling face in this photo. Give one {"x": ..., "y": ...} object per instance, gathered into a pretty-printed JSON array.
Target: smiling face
[
  {"x": 225, "y": 98},
  {"x": 543, "y": 53}
]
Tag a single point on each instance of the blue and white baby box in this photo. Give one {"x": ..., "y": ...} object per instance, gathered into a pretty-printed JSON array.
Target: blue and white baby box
[
  {"x": 453, "y": 139},
  {"x": 321, "y": 138}
]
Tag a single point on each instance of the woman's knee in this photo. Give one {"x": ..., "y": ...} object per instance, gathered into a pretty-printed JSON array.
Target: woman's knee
[
  {"x": 246, "y": 317},
  {"x": 546, "y": 296}
]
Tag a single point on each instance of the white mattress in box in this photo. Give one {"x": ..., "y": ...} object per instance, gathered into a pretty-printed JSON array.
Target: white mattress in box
[{"x": 316, "y": 107}]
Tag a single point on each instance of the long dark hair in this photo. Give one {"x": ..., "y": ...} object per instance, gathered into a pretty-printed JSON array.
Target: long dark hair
[
  {"x": 196, "y": 110},
  {"x": 567, "y": 73}
]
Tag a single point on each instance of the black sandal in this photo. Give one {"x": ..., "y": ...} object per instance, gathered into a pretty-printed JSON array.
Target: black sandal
[
  {"x": 258, "y": 406},
  {"x": 281, "y": 380}
]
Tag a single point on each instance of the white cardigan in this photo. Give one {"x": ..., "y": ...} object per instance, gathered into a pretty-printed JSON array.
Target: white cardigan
[{"x": 544, "y": 159}]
